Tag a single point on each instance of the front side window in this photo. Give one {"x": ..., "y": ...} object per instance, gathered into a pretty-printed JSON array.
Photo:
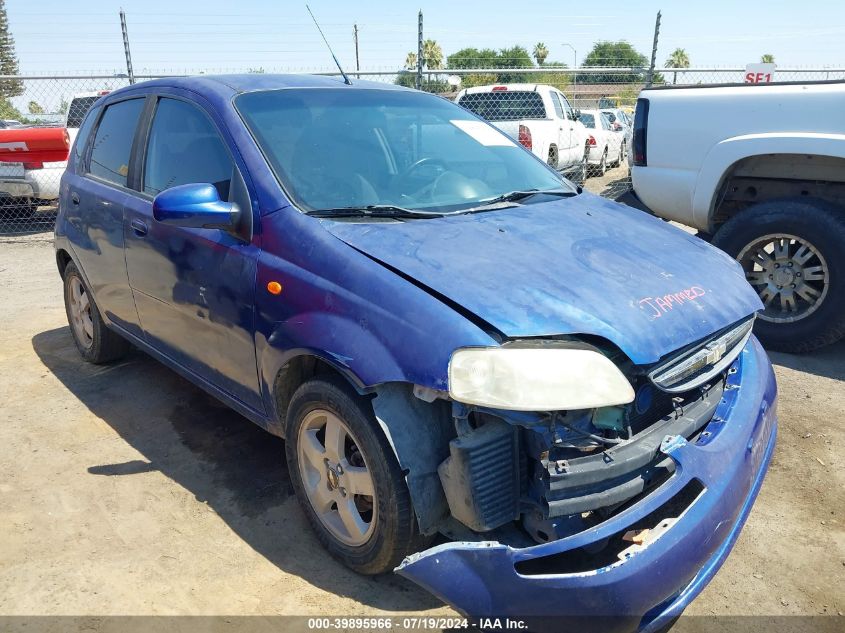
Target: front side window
[
  {"x": 333, "y": 148},
  {"x": 113, "y": 141},
  {"x": 184, "y": 147}
]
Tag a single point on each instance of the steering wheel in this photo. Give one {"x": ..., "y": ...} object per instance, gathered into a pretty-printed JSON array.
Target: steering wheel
[{"x": 422, "y": 162}]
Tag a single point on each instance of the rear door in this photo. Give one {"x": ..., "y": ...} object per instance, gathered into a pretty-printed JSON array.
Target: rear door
[
  {"x": 194, "y": 288},
  {"x": 92, "y": 203}
]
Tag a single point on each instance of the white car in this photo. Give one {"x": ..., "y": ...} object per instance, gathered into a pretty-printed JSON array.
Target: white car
[
  {"x": 621, "y": 121},
  {"x": 607, "y": 147},
  {"x": 539, "y": 117}
]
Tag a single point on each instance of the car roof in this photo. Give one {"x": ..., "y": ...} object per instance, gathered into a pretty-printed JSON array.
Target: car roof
[{"x": 246, "y": 82}]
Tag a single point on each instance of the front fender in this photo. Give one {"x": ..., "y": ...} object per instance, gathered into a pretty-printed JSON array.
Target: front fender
[{"x": 725, "y": 154}]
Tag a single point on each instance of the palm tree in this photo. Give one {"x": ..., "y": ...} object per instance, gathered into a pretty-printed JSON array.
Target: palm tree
[
  {"x": 678, "y": 59},
  {"x": 411, "y": 61},
  {"x": 768, "y": 58},
  {"x": 540, "y": 53},
  {"x": 432, "y": 55}
]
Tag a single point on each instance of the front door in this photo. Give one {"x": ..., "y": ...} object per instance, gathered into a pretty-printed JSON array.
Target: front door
[{"x": 194, "y": 288}]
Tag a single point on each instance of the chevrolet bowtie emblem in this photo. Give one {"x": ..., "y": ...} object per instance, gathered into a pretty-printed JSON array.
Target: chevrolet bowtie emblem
[{"x": 715, "y": 351}]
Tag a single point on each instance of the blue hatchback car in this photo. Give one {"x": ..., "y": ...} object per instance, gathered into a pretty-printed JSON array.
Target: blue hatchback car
[{"x": 532, "y": 401}]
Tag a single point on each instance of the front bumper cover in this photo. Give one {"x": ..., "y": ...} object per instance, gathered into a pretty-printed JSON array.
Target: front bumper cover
[{"x": 654, "y": 585}]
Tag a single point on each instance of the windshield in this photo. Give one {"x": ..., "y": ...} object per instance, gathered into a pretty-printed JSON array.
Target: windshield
[
  {"x": 588, "y": 120},
  {"x": 337, "y": 148}
]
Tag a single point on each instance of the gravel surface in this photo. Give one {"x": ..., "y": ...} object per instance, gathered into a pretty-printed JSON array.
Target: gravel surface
[{"x": 126, "y": 490}]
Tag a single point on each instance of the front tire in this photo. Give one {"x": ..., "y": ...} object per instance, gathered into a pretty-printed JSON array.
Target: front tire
[
  {"x": 347, "y": 479},
  {"x": 96, "y": 343},
  {"x": 793, "y": 254}
]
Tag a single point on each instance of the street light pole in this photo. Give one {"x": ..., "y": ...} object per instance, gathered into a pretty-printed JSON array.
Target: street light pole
[{"x": 574, "y": 71}]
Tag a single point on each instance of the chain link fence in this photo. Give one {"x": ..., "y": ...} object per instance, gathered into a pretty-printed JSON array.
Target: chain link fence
[{"x": 579, "y": 121}]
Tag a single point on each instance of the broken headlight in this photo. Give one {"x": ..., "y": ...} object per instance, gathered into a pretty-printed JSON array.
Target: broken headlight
[{"x": 536, "y": 378}]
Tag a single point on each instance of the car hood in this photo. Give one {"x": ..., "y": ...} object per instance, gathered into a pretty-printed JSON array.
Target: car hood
[{"x": 580, "y": 265}]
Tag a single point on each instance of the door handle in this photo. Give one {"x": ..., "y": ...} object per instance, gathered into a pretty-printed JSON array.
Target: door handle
[
  {"x": 74, "y": 198},
  {"x": 139, "y": 227}
]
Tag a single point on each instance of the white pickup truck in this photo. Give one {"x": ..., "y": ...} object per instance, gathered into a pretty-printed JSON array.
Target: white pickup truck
[
  {"x": 537, "y": 116},
  {"x": 759, "y": 170}
]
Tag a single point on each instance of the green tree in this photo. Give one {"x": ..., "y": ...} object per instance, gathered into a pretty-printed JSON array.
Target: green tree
[
  {"x": 514, "y": 57},
  {"x": 619, "y": 54},
  {"x": 541, "y": 52},
  {"x": 558, "y": 80},
  {"x": 8, "y": 59},
  {"x": 678, "y": 59},
  {"x": 768, "y": 58},
  {"x": 411, "y": 61},
  {"x": 35, "y": 108},
  {"x": 432, "y": 55}
]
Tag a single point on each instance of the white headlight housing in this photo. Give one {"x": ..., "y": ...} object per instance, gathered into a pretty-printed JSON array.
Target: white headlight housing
[{"x": 536, "y": 379}]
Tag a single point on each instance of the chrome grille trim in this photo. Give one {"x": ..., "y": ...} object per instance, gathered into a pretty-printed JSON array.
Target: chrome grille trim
[{"x": 694, "y": 367}]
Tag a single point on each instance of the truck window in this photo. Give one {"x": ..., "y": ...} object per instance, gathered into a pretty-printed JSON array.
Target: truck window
[
  {"x": 77, "y": 110},
  {"x": 558, "y": 107},
  {"x": 113, "y": 141},
  {"x": 505, "y": 105}
]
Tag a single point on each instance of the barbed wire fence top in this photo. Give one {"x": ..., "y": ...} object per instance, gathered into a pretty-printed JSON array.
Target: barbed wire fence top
[{"x": 29, "y": 192}]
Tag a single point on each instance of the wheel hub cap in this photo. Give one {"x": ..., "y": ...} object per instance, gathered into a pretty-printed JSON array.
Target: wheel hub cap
[{"x": 789, "y": 274}]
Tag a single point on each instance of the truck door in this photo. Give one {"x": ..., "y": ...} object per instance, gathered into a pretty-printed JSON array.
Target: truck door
[{"x": 564, "y": 145}]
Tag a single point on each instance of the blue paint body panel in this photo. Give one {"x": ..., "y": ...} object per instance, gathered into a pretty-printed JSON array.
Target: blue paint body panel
[
  {"x": 654, "y": 585},
  {"x": 570, "y": 266},
  {"x": 390, "y": 301}
]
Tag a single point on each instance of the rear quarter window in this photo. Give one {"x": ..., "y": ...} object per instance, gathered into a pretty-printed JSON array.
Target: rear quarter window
[
  {"x": 113, "y": 141},
  {"x": 505, "y": 105},
  {"x": 82, "y": 137}
]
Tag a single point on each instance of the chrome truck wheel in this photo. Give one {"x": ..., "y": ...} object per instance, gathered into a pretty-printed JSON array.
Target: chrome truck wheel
[
  {"x": 789, "y": 273},
  {"x": 793, "y": 254}
]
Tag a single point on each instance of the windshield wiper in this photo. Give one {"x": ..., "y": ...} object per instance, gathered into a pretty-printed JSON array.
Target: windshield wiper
[
  {"x": 514, "y": 196},
  {"x": 373, "y": 211}
]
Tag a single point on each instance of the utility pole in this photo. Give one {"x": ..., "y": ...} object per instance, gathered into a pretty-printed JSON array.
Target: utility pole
[
  {"x": 126, "y": 47},
  {"x": 419, "y": 51},
  {"x": 357, "y": 61},
  {"x": 650, "y": 77}
]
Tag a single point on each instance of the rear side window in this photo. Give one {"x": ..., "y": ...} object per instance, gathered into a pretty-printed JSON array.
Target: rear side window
[
  {"x": 184, "y": 147},
  {"x": 82, "y": 136},
  {"x": 113, "y": 141},
  {"x": 505, "y": 105}
]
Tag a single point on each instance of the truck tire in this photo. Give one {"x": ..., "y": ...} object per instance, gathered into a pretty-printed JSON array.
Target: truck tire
[
  {"x": 552, "y": 159},
  {"x": 793, "y": 254},
  {"x": 351, "y": 489}
]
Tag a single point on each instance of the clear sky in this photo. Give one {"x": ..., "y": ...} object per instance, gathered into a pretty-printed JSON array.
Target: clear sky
[{"x": 68, "y": 36}]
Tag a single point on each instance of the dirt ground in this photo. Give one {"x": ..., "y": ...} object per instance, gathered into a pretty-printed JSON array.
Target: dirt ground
[{"x": 126, "y": 490}]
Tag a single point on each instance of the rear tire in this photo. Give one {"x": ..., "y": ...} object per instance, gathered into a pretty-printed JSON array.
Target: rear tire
[
  {"x": 552, "y": 160},
  {"x": 384, "y": 527},
  {"x": 601, "y": 169},
  {"x": 96, "y": 343},
  {"x": 802, "y": 274}
]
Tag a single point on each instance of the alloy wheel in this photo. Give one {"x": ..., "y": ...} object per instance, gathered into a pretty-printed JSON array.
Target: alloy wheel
[
  {"x": 789, "y": 274},
  {"x": 80, "y": 312},
  {"x": 336, "y": 478}
]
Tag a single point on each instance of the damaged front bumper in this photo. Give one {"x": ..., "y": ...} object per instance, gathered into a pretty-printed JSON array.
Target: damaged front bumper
[{"x": 694, "y": 519}]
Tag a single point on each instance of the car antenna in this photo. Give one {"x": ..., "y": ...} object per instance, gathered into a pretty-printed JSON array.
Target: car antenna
[{"x": 337, "y": 63}]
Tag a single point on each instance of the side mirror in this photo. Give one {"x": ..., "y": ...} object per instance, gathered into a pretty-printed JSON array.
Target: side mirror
[
  {"x": 195, "y": 206},
  {"x": 576, "y": 113}
]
